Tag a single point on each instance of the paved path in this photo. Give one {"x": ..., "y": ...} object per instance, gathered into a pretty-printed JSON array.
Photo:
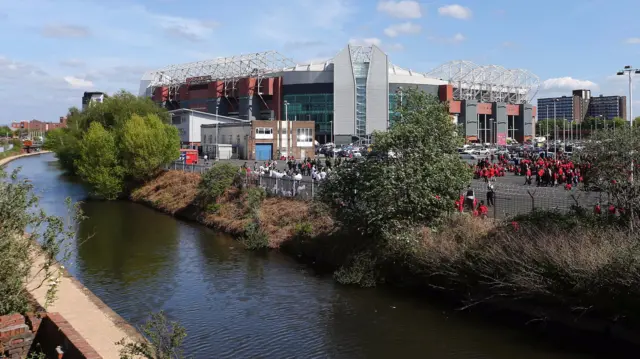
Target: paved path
[{"x": 100, "y": 326}]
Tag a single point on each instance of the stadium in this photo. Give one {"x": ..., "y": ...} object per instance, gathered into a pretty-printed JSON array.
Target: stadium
[{"x": 349, "y": 96}]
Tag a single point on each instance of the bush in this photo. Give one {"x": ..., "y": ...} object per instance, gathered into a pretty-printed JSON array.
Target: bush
[
  {"x": 254, "y": 237},
  {"x": 48, "y": 236},
  {"x": 303, "y": 230},
  {"x": 255, "y": 196},
  {"x": 164, "y": 340},
  {"x": 216, "y": 181}
]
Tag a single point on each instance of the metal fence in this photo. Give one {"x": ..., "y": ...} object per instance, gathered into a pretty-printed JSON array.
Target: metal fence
[
  {"x": 509, "y": 199},
  {"x": 304, "y": 189}
]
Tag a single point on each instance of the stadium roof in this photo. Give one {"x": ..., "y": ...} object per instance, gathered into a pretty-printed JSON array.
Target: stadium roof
[{"x": 487, "y": 83}]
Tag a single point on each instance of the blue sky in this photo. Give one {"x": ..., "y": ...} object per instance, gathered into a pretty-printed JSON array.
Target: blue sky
[{"x": 53, "y": 51}]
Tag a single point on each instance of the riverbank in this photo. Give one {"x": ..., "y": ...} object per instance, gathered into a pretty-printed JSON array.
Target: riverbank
[
  {"x": 584, "y": 278},
  {"x": 94, "y": 321}
]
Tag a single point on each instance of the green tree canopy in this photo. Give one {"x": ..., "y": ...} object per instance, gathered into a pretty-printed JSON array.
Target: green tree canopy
[
  {"x": 147, "y": 144},
  {"x": 98, "y": 163},
  {"x": 132, "y": 137},
  {"x": 413, "y": 181},
  {"x": 5, "y": 131}
]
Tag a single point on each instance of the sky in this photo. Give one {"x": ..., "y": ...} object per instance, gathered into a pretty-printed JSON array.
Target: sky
[{"x": 53, "y": 50}]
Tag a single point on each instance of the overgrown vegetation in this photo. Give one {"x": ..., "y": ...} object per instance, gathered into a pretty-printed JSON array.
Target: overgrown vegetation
[
  {"x": 111, "y": 145},
  {"x": 29, "y": 260},
  {"x": 216, "y": 181},
  {"x": 411, "y": 184},
  {"x": 164, "y": 340}
]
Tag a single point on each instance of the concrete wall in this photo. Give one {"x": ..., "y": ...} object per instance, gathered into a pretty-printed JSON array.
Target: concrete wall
[
  {"x": 344, "y": 94},
  {"x": 307, "y": 77},
  {"x": 469, "y": 118},
  {"x": 226, "y": 135},
  {"x": 524, "y": 123},
  {"x": 377, "y": 92},
  {"x": 499, "y": 114}
]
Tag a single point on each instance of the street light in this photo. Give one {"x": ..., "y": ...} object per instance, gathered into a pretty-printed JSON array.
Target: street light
[
  {"x": 629, "y": 70},
  {"x": 555, "y": 130},
  {"x": 546, "y": 133},
  {"x": 286, "y": 122}
]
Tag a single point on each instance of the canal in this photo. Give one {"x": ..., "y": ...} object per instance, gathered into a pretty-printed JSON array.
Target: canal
[{"x": 238, "y": 304}]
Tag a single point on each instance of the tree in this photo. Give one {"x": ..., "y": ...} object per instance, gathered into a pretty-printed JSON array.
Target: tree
[
  {"x": 147, "y": 144},
  {"x": 614, "y": 158},
  {"x": 164, "y": 340},
  {"x": 5, "y": 131},
  {"x": 411, "y": 182},
  {"x": 65, "y": 144},
  {"x": 22, "y": 255},
  {"x": 114, "y": 111},
  {"x": 98, "y": 162},
  {"x": 216, "y": 181},
  {"x": 133, "y": 131}
]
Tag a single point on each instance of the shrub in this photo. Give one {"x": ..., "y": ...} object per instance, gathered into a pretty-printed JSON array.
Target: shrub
[
  {"x": 48, "y": 236},
  {"x": 254, "y": 237},
  {"x": 216, "y": 181},
  {"x": 255, "y": 196},
  {"x": 164, "y": 340},
  {"x": 304, "y": 229}
]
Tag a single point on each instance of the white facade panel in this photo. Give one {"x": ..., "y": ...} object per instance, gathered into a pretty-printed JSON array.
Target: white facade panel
[
  {"x": 377, "y": 91},
  {"x": 344, "y": 94}
]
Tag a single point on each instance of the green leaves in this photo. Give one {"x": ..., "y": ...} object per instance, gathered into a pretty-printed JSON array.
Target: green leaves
[
  {"x": 382, "y": 196},
  {"x": 99, "y": 163},
  {"x": 124, "y": 140}
]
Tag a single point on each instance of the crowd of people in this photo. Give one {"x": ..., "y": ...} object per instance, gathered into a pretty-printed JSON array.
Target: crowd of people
[{"x": 547, "y": 171}]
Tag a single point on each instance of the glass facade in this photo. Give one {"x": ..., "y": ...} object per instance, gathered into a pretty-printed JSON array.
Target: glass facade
[
  {"x": 394, "y": 101},
  {"x": 311, "y": 107},
  {"x": 360, "y": 71}
]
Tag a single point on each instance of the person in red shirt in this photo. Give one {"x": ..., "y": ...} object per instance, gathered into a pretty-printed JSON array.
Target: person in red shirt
[
  {"x": 612, "y": 209},
  {"x": 484, "y": 210},
  {"x": 597, "y": 210}
]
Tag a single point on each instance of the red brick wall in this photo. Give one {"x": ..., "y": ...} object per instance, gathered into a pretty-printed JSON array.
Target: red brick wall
[
  {"x": 15, "y": 336},
  {"x": 19, "y": 335}
]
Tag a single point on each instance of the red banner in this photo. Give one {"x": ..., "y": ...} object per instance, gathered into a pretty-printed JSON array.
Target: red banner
[{"x": 502, "y": 139}]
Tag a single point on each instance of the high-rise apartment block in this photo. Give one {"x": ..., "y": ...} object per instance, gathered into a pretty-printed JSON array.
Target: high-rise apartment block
[{"x": 581, "y": 105}]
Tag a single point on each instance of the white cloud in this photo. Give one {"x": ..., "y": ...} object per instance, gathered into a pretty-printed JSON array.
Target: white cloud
[
  {"x": 65, "y": 31},
  {"x": 405, "y": 9},
  {"x": 188, "y": 29},
  {"x": 78, "y": 83},
  {"x": 366, "y": 41},
  {"x": 455, "y": 39},
  {"x": 455, "y": 11},
  {"x": 404, "y": 28},
  {"x": 633, "y": 40},
  {"x": 567, "y": 83}
]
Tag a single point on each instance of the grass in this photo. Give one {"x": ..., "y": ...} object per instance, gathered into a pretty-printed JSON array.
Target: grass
[{"x": 580, "y": 269}]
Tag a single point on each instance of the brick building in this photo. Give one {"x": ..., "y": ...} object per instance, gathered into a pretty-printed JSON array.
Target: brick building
[
  {"x": 261, "y": 140},
  {"x": 39, "y": 126}
]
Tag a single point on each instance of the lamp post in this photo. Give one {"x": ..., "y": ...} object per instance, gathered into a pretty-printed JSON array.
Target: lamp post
[
  {"x": 286, "y": 122},
  {"x": 546, "y": 132},
  {"x": 491, "y": 131},
  {"x": 217, "y": 131},
  {"x": 555, "y": 130},
  {"x": 629, "y": 70}
]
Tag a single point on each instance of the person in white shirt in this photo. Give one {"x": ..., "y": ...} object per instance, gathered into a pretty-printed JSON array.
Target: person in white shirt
[{"x": 323, "y": 174}]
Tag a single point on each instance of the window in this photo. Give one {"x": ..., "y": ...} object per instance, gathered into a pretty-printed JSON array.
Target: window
[
  {"x": 210, "y": 138},
  {"x": 304, "y": 135},
  {"x": 264, "y": 131}
]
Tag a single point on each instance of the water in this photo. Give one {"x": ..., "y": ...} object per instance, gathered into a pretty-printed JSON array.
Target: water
[{"x": 238, "y": 304}]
